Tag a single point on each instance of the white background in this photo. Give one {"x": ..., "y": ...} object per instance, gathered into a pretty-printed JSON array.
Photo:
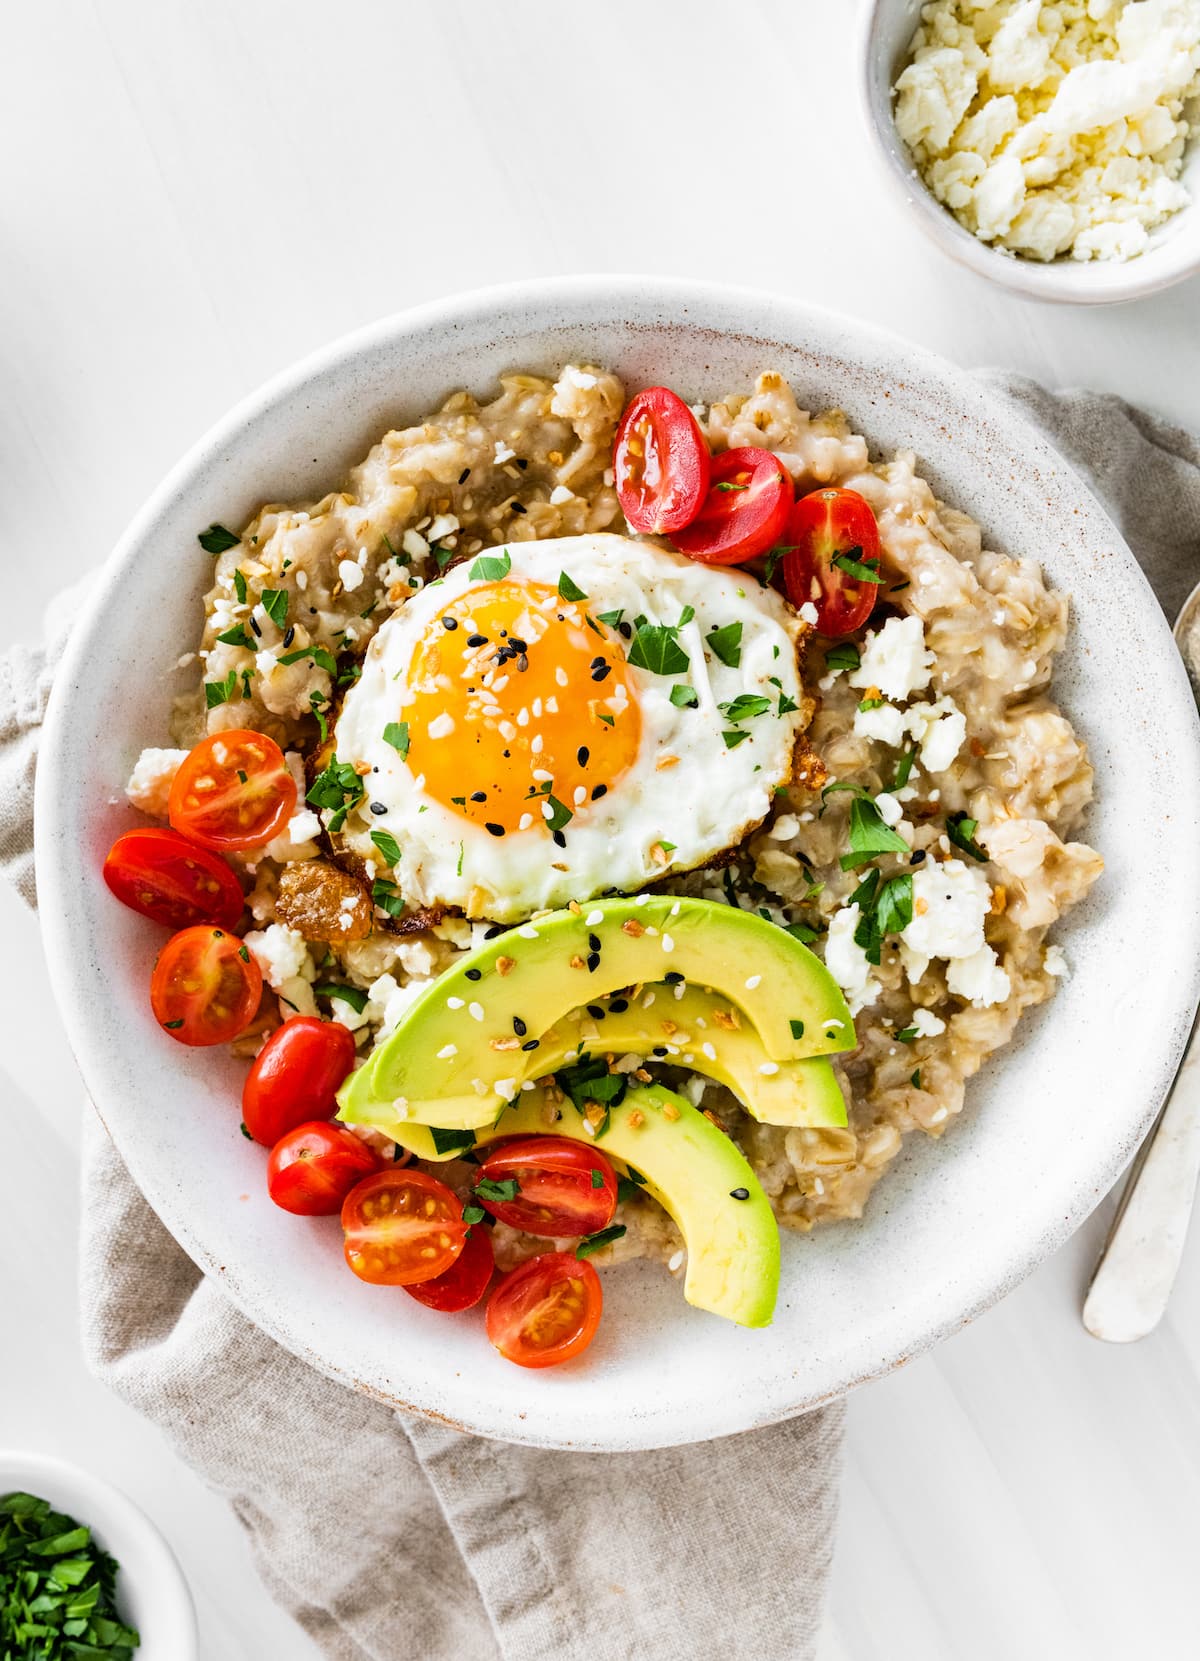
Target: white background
[{"x": 195, "y": 194}]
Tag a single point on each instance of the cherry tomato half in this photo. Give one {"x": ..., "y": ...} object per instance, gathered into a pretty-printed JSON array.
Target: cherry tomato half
[
  {"x": 402, "y": 1226},
  {"x": 545, "y": 1311},
  {"x": 295, "y": 1077},
  {"x": 206, "y": 987},
  {"x": 233, "y": 791},
  {"x": 745, "y": 512},
  {"x": 314, "y": 1167},
  {"x": 465, "y": 1281},
  {"x": 660, "y": 460},
  {"x": 171, "y": 880},
  {"x": 824, "y": 527},
  {"x": 563, "y": 1187}
]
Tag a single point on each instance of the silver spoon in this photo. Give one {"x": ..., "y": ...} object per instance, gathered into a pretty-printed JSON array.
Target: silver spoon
[{"x": 1137, "y": 1268}]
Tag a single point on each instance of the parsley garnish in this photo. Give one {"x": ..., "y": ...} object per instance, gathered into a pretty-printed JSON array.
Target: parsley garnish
[
  {"x": 612, "y": 618},
  {"x": 726, "y": 486},
  {"x": 884, "y": 908},
  {"x": 473, "y": 1214},
  {"x": 904, "y": 769},
  {"x": 907, "y": 1035},
  {"x": 869, "y": 836},
  {"x": 655, "y": 646},
  {"x": 491, "y": 568},
  {"x": 597, "y": 1178},
  {"x": 352, "y": 995},
  {"x": 239, "y": 586},
  {"x": 871, "y": 703},
  {"x": 961, "y": 832},
  {"x": 589, "y": 1080},
  {"x": 559, "y": 815},
  {"x": 216, "y": 539},
  {"x": 727, "y": 644},
  {"x": 316, "y": 700},
  {"x": 594, "y": 1242},
  {"x": 685, "y": 617},
  {"x": 773, "y": 558},
  {"x": 56, "y": 1588},
  {"x": 684, "y": 697},
  {"x": 486, "y": 1189},
  {"x": 626, "y": 1189},
  {"x": 220, "y": 692},
  {"x": 865, "y": 572},
  {"x": 734, "y": 738},
  {"x": 275, "y": 604},
  {"x": 569, "y": 590},
  {"x": 237, "y": 636},
  {"x": 801, "y": 932},
  {"x": 797, "y": 1028},
  {"x": 396, "y": 734},
  {"x": 443, "y": 556},
  {"x": 451, "y": 1141},
  {"x": 745, "y": 706},
  {"x": 915, "y": 1080},
  {"x": 387, "y": 897},
  {"x": 387, "y": 845},
  {"x": 323, "y": 659},
  {"x": 339, "y": 788},
  {"x": 842, "y": 656}
]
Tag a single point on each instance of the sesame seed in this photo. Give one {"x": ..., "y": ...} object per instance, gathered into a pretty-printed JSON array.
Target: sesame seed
[
  {"x": 618, "y": 1006},
  {"x": 593, "y": 942},
  {"x": 527, "y": 931},
  {"x": 473, "y": 974},
  {"x": 602, "y": 672},
  {"x": 517, "y": 508},
  {"x": 596, "y": 1011},
  {"x": 739, "y": 1193},
  {"x": 493, "y": 830},
  {"x": 672, "y": 977},
  {"x": 594, "y": 918},
  {"x": 679, "y": 991},
  {"x": 659, "y": 1050},
  {"x": 450, "y": 624},
  {"x": 558, "y": 839},
  {"x": 753, "y": 982},
  {"x": 378, "y": 807},
  {"x": 519, "y": 1026},
  {"x": 668, "y": 945},
  {"x": 525, "y": 821},
  {"x": 447, "y": 1051},
  {"x": 464, "y": 475},
  {"x": 477, "y": 640},
  {"x": 479, "y": 795},
  {"x": 581, "y": 755},
  {"x": 593, "y": 962},
  {"x": 493, "y": 930},
  {"x": 560, "y": 675},
  {"x": 529, "y": 1044},
  {"x": 707, "y": 1049},
  {"x": 580, "y": 796},
  {"x": 454, "y": 1003},
  {"x": 475, "y": 1011},
  {"x": 598, "y": 791},
  {"x": 768, "y": 1068},
  {"x": 675, "y": 1262}
]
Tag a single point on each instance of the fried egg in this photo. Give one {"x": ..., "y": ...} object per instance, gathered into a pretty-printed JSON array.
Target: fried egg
[{"x": 564, "y": 718}]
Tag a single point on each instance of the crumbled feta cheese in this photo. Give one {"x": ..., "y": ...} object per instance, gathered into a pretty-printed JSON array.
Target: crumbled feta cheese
[
  {"x": 560, "y": 494},
  {"x": 808, "y": 613},
  {"x": 280, "y": 952},
  {"x": 693, "y": 1089},
  {"x": 847, "y": 962},
  {"x": 1055, "y": 962},
  {"x": 950, "y": 902},
  {"x": 895, "y": 659},
  {"x": 784, "y": 828},
  {"x": 941, "y": 731},
  {"x": 150, "y": 782},
  {"x": 889, "y": 808},
  {"x": 978, "y": 977},
  {"x": 887, "y": 724},
  {"x": 502, "y": 453},
  {"x": 928, "y": 1024},
  {"x": 443, "y": 526},
  {"x": 414, "y": 545},
  {"x": 349, "y": 575}
]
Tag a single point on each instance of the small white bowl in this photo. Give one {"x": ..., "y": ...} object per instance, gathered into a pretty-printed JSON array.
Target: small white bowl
[
  {"x": 1174, "y": 252},
  {"x": 152, "y": 1594}
]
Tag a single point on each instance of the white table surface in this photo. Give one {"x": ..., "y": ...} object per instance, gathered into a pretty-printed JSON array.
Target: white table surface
[{"x": 192, "y": 197}]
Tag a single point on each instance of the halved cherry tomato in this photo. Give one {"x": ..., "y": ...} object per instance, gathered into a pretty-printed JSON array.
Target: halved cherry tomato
[
  {"x": 563, "y": 1187},
  {"x": 824, "y": 527},
  {"x": 233, "y": 791},
  {"x": 745, "y": 512},
  {"x": 205, "y": 987},
  {"x": 660, "y": 460},
  {"x": 465, "y": 1281},
  {"x": 545, "y": 1311},
  {"x": 314, "y": 1167},
  {"x": 295, "y": 1077},
  {"x": 401, "y": 1227},
  {"x": 171, "y": 880}
]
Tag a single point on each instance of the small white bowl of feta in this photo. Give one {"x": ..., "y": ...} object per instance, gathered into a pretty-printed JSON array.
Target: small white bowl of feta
[{"x": 1051, "y": 145}]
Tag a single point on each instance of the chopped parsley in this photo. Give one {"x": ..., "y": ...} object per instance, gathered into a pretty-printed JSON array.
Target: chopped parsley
[
  {"x": 316, "y": 700},
  {"x": 486, "y": 1189},
  {"x": 491, "y": 568},
  {"x": 842, "y": 656},
  {"x": 451, "y": 1141},
  {"x": 239, "y": 586},
  {"x": 904, "y": 769},
  {"x": 864, "y": 571},
  {"x": 275, "y": 604},
  {"x": 884, "y": 908},
  {"x": 569, "y": 590},
  {"x": 772, "y": 561},
  {"x": 217, "y": 539},
  {"x": 907, "y": 1035},
  {"x": 322, "y": 658},
  {"x": 589, "y": 1080},
  {"x": 56, "y": 1588},
  {"x": 387, "y": 897},
  {"x": 597, "y": 1178},
  {"x": 237, "y": 636},
  {"x": 655, "y": 646},
  {"x": 684, "y": 697},
  {"x": 443, "y": 556},
  {"x": 961, "y": 832},
  {"x": 612, "y": 618},
  {"x": 559, "y": 815},
  {"x": 221, "y": 692},
  {"x": 396, "y": 734},
  {"x": 797, "y": 1028},
  {"x": 473, "y": 1214},
  {"x": 387, "y": 845},
  {"x": 352, "y": 995},
  {"x": 685, "y": 617},
  {"x": 915, "y": 1080},
  {"x": 746, "y": 706},
  {"x": 871, "y": 703},
  {"x": 735, "y": 737},
  {"x": 727, "y": 485},
  {"x": 869, "y": 836},
  {"x": 337, "y": 788},
  {"x": 726, "y": 644},
  {"x": 594, "y": 1242}
]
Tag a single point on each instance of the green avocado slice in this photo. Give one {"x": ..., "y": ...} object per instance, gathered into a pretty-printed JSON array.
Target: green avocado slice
[
  {"x": 459, "y": 1034},
  {"x": 690, "y": 1167},
  {"x": 687, "y": 1025}
]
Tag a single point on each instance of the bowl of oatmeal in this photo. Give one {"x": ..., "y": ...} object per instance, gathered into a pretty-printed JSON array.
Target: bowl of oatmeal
[
  {"x": 962, "y": 766},
  {"x": 1048, "y": 147}
]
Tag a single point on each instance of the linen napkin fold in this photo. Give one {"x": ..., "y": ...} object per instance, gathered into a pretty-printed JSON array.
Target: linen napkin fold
[{"x": 489, "y": 1550}]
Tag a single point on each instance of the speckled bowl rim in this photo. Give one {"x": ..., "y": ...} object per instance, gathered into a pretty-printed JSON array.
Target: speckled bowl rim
[{"x": 575, "y": 1412}]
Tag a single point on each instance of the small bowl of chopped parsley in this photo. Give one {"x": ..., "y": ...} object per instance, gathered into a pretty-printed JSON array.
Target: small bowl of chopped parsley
[{"x": 84, "y": 1574}]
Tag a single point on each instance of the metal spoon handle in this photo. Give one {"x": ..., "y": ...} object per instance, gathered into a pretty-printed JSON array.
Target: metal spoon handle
[{"x": 1137, "y": 1269}]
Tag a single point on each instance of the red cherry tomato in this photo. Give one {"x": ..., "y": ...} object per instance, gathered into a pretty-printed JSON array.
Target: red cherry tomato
[
  {"x": 401, "y": 1227},
  {"x": 465, "y": 1281},
  {"x": 745, "y": 512},
  {"x": 563, "y": 1187},
  {"x": 295, "y": 1077},
  {"x": 314, "y": 1167},
  {"x": 206, "y": 987},
  {"x": 660, "y": 460},
  {"x": 545, "y": 1311},
  {"x": 824, "y": 527},
  {"x": 171, "y": 880},
  {"x": 233, "y": 791}
]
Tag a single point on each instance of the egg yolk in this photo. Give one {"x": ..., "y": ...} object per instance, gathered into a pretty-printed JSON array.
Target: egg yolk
[{"x": 521, "y": 709}]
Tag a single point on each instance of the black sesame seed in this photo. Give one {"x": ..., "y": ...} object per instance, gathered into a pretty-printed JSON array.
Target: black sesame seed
[
  {"x": 602, "y": 673},
  {"x": 598, "y": 791},
  {"x": 581, "y": 755},
  {"x": 473, "y": 974},
  {"x": 464, "y": 475},
  {"x": 596, "y": 663},
  {"x": 378, "y": 807},
  {"x": 494, "y": 830},
  {"x": 530, "y": 1044},
  {"x": 256, "y": 626},
  {"x": 477, "y": 640},
  {"x": 596, "y": 1012},
  {"x": 558, "y": 839},
  {"x": 519, "y": 1026},
  {"x": 593, "y": 962},
  {"x": 522, "y": 462},
  {"x": 673, "y": 977},
  {"x": 450, "y": 624},
  {"x": 593, "y": 942},
  {"x": 522, "y": 663},
  {"x": 479, "y": 795},
  {"x": 625, "y": 630},
  {"x": 289, "y": 636},
  {"x": 659, "y": 1049},
  {"x": 517, "y": 508},
  {"x": 618, "y": 1006},
  {"x": 515, "y": 645},
  {"x": 739, "y": 1193},
  {"x": 917, "y": 857},
  {"x": 491, "y": 932}
]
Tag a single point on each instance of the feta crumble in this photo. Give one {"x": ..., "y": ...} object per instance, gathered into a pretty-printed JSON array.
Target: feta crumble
[
  {"x": 895, "y": 659},
  {"x": 847, "y": 962},
  {"x": 150, "y": 782},
  {"x": 280, "y": 952}
]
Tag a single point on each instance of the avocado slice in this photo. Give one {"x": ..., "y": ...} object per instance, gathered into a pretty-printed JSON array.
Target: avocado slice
[
  {"x": 470, "y": 1027},
  {"x": 685, "y": 1024},
  {"x": 691, "y": 1168}
]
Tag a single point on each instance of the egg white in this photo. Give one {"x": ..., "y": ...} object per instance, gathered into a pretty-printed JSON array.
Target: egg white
[{"x": 701, "y": 803}]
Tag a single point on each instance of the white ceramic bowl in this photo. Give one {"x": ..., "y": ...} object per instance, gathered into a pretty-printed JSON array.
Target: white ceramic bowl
[
  {"x": 886, "y": 29},
  {"x": 958, "y": 1222},
  {"x": 152, "y": 1594}
]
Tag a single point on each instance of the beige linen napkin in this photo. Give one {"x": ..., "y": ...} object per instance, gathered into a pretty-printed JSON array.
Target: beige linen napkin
[{"x": 484, "y": 1549}]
